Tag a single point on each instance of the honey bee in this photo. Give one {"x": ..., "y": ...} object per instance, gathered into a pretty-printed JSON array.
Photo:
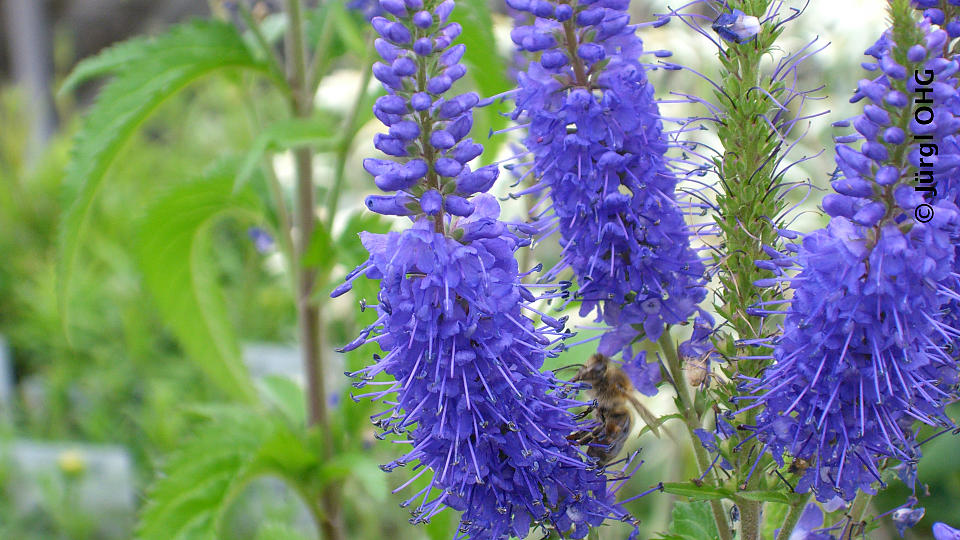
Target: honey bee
[
  {"x": 798, "y": 466},
  {"x": 611, "y": 390}
]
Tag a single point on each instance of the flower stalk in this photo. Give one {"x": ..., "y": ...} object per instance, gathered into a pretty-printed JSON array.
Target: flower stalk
[
  {"x": 309, "y": 315},
  {"x": 692, "y": 422}
]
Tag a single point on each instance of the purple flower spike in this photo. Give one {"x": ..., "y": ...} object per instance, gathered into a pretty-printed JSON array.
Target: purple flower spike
[
  {"x": 598, "y": 153},
  {"x": 866, "y": 348},
  {"x": 468, "y": 392}
]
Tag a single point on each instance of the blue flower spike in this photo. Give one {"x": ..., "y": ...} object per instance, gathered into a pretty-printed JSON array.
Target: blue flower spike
[{"x": 461, "y": 362}]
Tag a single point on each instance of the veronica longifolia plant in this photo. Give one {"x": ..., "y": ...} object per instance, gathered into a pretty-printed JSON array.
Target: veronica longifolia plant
[
  {"x": 860, "y": 352},
  {"x": 464, "y": 358}
]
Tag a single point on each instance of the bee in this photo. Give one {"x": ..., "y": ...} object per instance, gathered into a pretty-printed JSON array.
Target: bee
[
  {"x": 611, "y": 390},
  {"x": 799, "y": 466}
]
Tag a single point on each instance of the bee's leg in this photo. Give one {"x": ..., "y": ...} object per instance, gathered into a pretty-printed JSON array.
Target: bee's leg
[
  {"x": 590, "y": 408},
  {"x": 784, "y": 480}
]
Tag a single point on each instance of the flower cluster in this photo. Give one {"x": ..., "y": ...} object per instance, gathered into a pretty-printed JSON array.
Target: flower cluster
[
  {"x": 470, "y": 397},
  {"x": 462, "y": 360},
  {"x": 597, "y": 143},
  {"x": 427, "y": 132},
  {"x": 861, "y": 357}
]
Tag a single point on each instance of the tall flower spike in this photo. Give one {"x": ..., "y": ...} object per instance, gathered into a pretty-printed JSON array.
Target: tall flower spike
[
  {"x": 858, "y": 362},
  {"x": 461, "y": 369},
  {"x": 598, "y": 147}
]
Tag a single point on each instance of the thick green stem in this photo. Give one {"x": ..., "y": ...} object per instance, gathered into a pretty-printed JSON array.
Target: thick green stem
[
  {"x": 793, "y": 516},
  {"x": 308, "y": 313},
  {"x": 672, "y": 362},
  {"x": 751, "y": 519}
]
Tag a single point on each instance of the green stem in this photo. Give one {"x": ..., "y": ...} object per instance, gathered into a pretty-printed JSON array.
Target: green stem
[
  {"x": 857, "y": 511},
  {"x": 751, "y": 519},
  {"x": 672, "y": 362},
  {"x": 308, "y": 313},
  {"x": 793, "y": 516}
]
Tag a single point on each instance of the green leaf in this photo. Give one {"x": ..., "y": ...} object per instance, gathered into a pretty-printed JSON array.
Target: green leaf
[
  {"x": 184, "y": 502},
  {"x": 355, "y": 466},
  {"x": 773, "y": 516},
  {"x": 660, "y": 421},
  {"x": 163, "y": 67},
  {"x": 273, "y": 530},
  {"x": 693, "y": 521},
  {"x": 175, "y": 257},
  {"x": 290, "y": 133},
  {"x": 692, "y": 491},
  {"x": 108, "y": 61},
  {"x": 287, "y": 396},
  {"x": 198, "y": 486},
  {"x": 765, "y": 496}
]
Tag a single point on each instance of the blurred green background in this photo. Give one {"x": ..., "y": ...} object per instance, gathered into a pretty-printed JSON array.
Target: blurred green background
[{"x": 85, "y": 424}]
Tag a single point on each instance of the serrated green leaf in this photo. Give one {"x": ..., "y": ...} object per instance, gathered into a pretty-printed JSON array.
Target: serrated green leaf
[
  {"x": 184, "y": 501},
  {"x": 290, "y": 133},
  {"x": 167, "y": 64},
  {"x": 692, "y": 491},
  {"x": 693, "y": 521},
  {"x": 175, "y": 258},
  {"x": 200, "y": 483},
  {"x": 106, "y": 62}
]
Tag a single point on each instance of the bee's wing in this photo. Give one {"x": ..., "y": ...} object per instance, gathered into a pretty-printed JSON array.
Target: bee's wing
[{"x": 652, "y": 422}]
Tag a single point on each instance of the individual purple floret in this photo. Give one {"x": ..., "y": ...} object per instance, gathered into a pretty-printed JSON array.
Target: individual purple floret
[
  {"x": 863, "y": 353},
  {"x": 906, "y": 518},
  {"x": 942, "y": 531},
  {"x": 461, "y": 360},
  {"x": 736, "y": 26},
  {"x": 597, "y": 146}
]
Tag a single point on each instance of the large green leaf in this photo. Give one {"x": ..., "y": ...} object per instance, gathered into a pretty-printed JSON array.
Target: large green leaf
[
  {"x": 696, "y": 492},
  {"x": 108, "y": 61},
  {"x": 147, "y": 73},
  {"x": 199, "y": 484},
  {"x": 286, "y": 134},
  {"x": 175, "y": 257},
  {"x": 692, "y": 521}
]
